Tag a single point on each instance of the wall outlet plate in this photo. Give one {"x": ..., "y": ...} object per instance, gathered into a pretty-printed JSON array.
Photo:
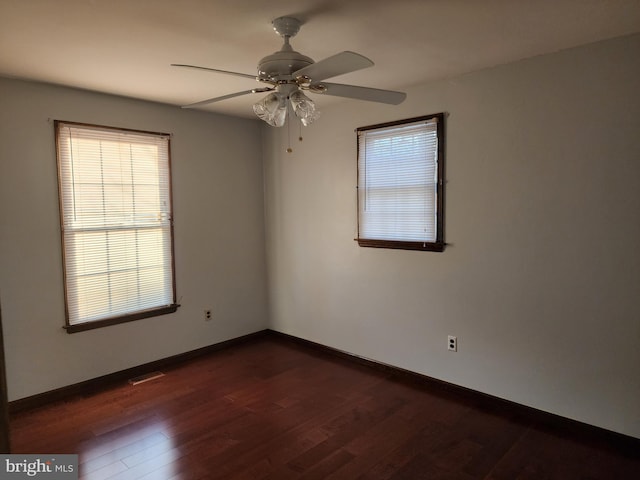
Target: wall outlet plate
[{"x": 452, "y": 343}]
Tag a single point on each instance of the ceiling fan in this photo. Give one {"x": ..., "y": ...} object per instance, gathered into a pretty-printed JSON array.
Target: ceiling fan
[{"x": 289, "y": 74}]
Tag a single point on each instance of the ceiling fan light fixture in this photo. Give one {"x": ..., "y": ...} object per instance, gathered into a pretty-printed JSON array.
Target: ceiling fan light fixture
[
  {"x": 272, "y": 109},
  {"x": 290, "y": 73},
  {"x": 304, "y": 108}
]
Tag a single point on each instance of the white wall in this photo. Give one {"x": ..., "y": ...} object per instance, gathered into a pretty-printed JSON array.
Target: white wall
[
  {"x": 540, "y": 281},
  {"x": 541, "y": 278},
  {"x": 219, "y": 237}
]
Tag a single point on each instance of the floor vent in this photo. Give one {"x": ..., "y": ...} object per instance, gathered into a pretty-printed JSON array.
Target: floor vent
[{"x": 145, "y": 378}]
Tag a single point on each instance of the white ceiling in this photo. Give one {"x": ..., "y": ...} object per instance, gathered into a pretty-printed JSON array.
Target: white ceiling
[{"x": 125, "y": 47}]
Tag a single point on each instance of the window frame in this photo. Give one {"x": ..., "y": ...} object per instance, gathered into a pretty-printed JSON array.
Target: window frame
[
  {"x": 439, "y": 244},
  {"x": 127, "y": 317}
]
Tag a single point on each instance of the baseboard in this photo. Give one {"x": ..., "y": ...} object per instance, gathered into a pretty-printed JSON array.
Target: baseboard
[
  {"x": 536, "y": 418},
  {"x": 107, "y": 381}
]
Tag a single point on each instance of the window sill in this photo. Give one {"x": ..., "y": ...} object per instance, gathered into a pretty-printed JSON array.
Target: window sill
[
  {"x": 107, "y": 322},
  {"x": 401, "y": 245}
]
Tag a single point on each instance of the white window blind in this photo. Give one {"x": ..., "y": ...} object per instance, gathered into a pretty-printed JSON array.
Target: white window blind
[
  {"x": 398, "y": 182},
  {"x": 116, "y": 221}
]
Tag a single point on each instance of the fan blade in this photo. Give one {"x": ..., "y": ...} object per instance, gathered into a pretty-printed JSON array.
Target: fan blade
[
  {"x": 364, "y": 93},
  {"x": 246, "y": 75},
  {"x": 225, "y": 97},
  {"x": 333, "y": 66}
]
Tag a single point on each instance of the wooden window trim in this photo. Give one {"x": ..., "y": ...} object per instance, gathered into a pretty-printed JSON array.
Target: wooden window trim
[
  {"x": 107, "y": 322},
  {"x": 152, "y": 312},
  {"x": 398, "y": 245},
  {"x": 439, "y": 245}
]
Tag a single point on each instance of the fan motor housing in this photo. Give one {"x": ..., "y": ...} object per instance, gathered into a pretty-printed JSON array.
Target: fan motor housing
[{"x": 282, "y": 64}]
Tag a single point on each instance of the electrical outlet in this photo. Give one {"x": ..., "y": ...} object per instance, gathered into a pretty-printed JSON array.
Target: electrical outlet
[
  {"x": 452, "y": 343},
  {"x": 207, "y": 314}
]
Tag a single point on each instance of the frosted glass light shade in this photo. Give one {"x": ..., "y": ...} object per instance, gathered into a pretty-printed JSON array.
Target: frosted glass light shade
[
  {"x": 304, "y": 108},
  {"x": 272, "y": 109}
]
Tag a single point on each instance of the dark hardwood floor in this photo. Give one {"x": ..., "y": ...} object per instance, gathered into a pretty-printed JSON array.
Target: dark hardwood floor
[{"x": 274, "y": 409}]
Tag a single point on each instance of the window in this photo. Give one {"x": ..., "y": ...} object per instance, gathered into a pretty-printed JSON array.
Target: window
[
  {"x": 116, "y": 222},
  {"x": 400, "y": 184}
]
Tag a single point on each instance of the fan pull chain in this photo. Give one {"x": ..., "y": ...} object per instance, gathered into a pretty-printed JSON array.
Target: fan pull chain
[
  {"x": 290, "y": 116},
  {"x": 289, "y": 149}
]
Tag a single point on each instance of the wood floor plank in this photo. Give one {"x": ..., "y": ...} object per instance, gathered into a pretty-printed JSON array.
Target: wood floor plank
[
  {"x": 119, "y": 454},
  {"x": 554, "y": 456},
  {"x": 372, "y": 445},
  {"x": 276, "y": 410}
]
